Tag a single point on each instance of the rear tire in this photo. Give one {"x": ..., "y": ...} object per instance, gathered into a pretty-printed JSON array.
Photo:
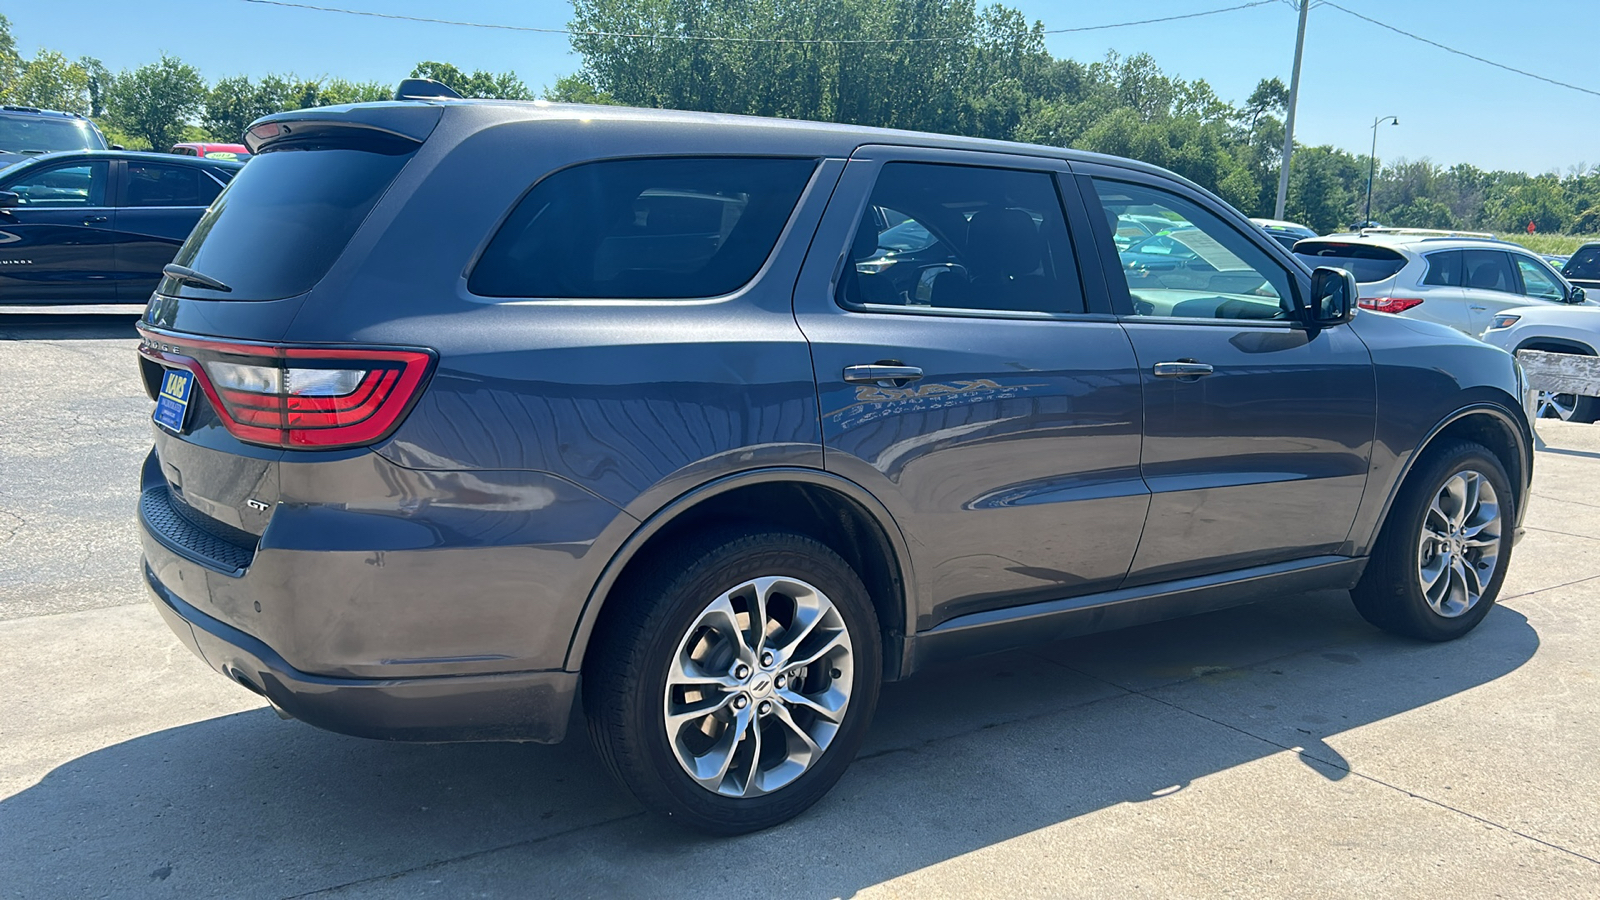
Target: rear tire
[
  {"x": 1442, "y": 554},
  {"x": 717, "y": 723}
]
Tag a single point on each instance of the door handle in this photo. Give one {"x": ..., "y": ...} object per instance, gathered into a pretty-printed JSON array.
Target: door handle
[
  {"x": 1477, "y": 308},
  {"x": 93, "y": 220},
  {"x": 1183, "y": 368},
  {"x": 883, "y": 374}
]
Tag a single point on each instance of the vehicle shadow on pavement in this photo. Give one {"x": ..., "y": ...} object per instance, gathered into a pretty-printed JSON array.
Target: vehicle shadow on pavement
[{"x": 959, "y": 759}]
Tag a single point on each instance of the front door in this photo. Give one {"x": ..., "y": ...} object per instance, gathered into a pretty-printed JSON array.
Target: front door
[
  {"x": 57, "y": 243},
  {"x": 1257, "y": 430},
  {"x": 969, "y": 381}
]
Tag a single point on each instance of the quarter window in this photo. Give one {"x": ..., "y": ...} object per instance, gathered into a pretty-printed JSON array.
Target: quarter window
[
  {"x": 1200, "y": 268},
  {"x": 61, "y": 187},
  {"x": 969, "y": 238},
  {"x": 643, "y": 229},
  {"x": 1537, "y": 282}
]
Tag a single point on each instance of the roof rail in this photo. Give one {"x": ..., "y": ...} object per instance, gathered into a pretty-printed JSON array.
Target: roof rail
[{"x": 1434, "y": 232}]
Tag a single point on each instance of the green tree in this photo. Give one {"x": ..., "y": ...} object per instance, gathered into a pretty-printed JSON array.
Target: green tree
[
  {"x": 50, "y": 81},
  {"x": 573, "y": 89},
  {"x": 154, "y": 102}
]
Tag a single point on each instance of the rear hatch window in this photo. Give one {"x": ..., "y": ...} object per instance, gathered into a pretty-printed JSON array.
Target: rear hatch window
[
  {"x": 1366, "y": 262},
  {"x": 287, "y": 216}
]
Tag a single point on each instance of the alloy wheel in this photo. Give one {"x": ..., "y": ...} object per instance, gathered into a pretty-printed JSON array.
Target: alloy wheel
[
  {"x": 758, "y": 687},
  {"x": 1460, "y": 543},
  {"x": 1556, "y": 406}
]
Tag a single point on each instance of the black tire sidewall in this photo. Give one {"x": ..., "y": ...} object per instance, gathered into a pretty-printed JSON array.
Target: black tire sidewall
[
  {"x": 656, "y": 777},
  {"x": 1407, "y": 609}
]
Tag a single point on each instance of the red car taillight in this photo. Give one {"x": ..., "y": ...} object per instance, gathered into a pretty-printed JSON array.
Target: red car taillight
[
  {"x": 1389, "y": 304},
  {"x": 282, "y": 395}
]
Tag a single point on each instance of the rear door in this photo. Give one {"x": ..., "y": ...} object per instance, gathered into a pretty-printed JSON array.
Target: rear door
[
  {"x": 1491, "y": 285},
  {"x": 57, "y": 245},
  {"x": 1257, "y": 430},
  {"x": 158, "y": 206},
  {"x": 973, "y": 382}
]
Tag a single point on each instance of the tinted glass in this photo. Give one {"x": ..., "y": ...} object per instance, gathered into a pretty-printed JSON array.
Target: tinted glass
[
  {"x": 1444, "y": 269},
  {"x": 1487, "y": 270},
  {"x": 58, "y": 187},
  {"x": 973, "y": 238},
  {"x": 1202, "y": 268},
  {"x": 151, "y": 184},
  {"x": 642, "y": 229},
  {"x": 21, "y": 134},
  {"x": 1366, "y": 262},
  {"x": 286, "y": 217},
  {"x": 1538, "y": 281},
  {"x": 1585, "y": 263}
]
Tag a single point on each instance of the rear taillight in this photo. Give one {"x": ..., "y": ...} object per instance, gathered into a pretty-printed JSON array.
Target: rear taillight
[
  {"x": 283, "y": 395},
  {"x": 1389, "y": 304}
]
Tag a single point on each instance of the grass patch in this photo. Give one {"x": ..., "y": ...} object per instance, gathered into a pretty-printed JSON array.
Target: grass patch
[{"x": 1562, "y": 244}]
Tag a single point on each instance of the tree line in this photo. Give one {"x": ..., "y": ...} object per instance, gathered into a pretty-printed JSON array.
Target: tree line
[{"x": 945, "y": 66}]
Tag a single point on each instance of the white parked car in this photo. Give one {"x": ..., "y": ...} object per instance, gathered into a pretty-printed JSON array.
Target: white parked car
[
  {"x": 1556, "y": 329},
  {"x": 1460, "y": 279}
]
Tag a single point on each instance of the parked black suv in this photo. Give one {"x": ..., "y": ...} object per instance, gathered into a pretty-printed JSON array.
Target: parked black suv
[
  {"x": 29, "y": 131},
  {"x": 97, "y": 226},
  {"x": 461, "y": 402}
]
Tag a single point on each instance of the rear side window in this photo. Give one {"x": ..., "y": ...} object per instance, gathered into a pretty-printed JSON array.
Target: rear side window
[
  {"x": 1444, "y": 269},
  {"x": 1488, "y": 270},
  {"x": 1366, "y": 262},
  {"x": 658, "y": 229},
  {"x": 151, "y": 184},
  {"x": 287, "y": 216}
]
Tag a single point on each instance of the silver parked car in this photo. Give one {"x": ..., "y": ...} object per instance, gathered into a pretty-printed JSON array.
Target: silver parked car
[{"x": 1459, "y": 279}]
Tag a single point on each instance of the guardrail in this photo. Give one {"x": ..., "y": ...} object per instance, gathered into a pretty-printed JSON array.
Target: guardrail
[{"x": 1558, "y": 373}]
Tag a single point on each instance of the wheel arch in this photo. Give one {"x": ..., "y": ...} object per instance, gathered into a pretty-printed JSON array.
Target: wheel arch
[
  {"x": 834, "y": 510},
  {"x": 1485, "y": 423},
  {"x": 1556, "y": 345}
]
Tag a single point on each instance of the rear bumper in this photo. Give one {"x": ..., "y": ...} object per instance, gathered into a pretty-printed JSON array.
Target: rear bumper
[{"x": 515, "y": 706}]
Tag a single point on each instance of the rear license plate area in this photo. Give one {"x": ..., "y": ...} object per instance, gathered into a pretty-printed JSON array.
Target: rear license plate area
[{"x": 172, "y": 401}]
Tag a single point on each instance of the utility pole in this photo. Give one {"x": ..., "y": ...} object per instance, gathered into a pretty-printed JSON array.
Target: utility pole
[{"x": 1288, "y": 124}]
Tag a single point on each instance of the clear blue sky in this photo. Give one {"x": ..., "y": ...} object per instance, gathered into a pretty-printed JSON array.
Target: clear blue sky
[{"x": 1451, "y": 109}]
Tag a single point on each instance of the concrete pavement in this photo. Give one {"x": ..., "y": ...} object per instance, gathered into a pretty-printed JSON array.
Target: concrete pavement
[{"x": 1284, "y": 749}]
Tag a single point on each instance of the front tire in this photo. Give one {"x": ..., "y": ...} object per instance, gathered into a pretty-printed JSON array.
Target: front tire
[
  {"x": 734, "y": 678},
  {"x": 1442, "y": 555}
]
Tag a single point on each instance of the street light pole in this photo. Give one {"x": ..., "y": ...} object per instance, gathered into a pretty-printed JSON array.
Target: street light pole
[
  {"x": 1372, "y": 164},
  {"x": 1288, "y": 123}
]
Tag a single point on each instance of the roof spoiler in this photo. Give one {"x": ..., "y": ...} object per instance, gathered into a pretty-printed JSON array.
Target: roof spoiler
[{"x": 425, "y": 89}]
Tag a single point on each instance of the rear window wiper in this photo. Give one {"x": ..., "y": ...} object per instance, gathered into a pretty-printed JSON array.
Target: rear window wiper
[{"x": 190, "y": 277}]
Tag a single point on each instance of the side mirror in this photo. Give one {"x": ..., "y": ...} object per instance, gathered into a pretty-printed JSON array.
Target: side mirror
[
  {"x": 118, "y": 147},
  {"x": 9, "y": 199},
  {"x": 1333, "y": 297},
  {"x": 1577, "y": 295}
]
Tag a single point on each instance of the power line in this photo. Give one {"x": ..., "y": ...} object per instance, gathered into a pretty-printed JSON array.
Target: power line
[
  {"x": 1432, "y": 43},
  {"x": 725, "y": 38}
]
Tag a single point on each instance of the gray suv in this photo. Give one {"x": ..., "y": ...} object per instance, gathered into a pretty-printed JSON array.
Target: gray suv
[{"x": 459, "y": 404}]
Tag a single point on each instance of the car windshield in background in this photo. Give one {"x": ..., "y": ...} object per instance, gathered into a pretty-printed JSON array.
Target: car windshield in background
[
  {"x": 287, "y": 216},
  {"x": 41, "y": 134},
  {"x": 1366, "y": 262},
  {"x": 1585, "y": 264},
  {"x": 643, "y": 229}
]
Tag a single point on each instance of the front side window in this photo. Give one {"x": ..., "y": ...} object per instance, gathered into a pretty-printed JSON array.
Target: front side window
[
  {"x": 151, "y": 184},
  {"x": 1200, "y": 268},
  {"x": 660, "y": 229},
  {"x": 59, "y": 187},
  {"x": 1488, "y": 270},
  {"x": 1537, "y": 281},
  {"x": 1444, "y": 269},
  {"x": 972, "y": 238}
]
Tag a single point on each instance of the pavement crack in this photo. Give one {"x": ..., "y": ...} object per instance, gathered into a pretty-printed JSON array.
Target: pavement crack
[
  {"x": 1565, "y": 500},
  {"x": 433, "y": 864},
  {"x": 1586, "y": 537},
  {"x": 1553, "y": 587}
]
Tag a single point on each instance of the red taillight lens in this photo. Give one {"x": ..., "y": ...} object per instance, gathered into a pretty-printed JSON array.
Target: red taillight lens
[
  {"x": 290, "y": 396},
  {"x": 1389, "y": 304}
]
